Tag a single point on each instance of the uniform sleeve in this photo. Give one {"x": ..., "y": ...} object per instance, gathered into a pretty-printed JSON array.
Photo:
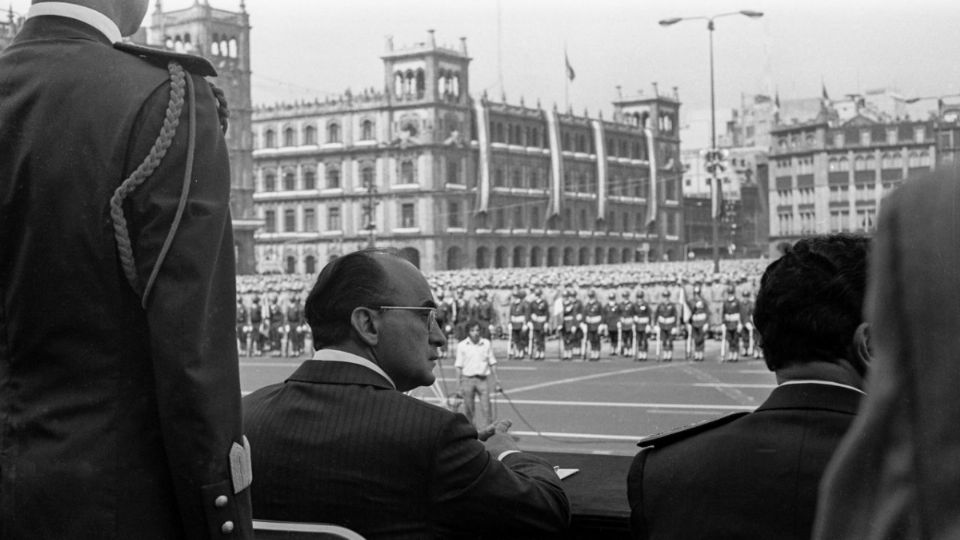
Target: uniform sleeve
[
  {"x": 191, "y": 313},
  {"x": 472, "y": 490}
]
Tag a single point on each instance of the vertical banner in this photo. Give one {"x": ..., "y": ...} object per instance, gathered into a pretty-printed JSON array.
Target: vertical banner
[
  {"x": 483, "y": 140},
  {"x": 652, "y": 192},
  {"x": 599, "y": 144},
  {"x": 556, "y": 164}
]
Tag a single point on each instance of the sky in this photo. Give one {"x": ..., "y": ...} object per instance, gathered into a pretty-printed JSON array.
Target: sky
[{"x": 303, "y": 49}]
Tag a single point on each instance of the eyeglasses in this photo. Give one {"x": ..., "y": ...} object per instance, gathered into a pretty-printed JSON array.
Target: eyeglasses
[{"x": 430, "y": 312}]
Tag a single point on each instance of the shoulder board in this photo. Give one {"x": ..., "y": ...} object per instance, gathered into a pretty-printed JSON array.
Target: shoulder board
[
  {"x": 197, "y": 65},
  {"x": 682, "y": 432}
]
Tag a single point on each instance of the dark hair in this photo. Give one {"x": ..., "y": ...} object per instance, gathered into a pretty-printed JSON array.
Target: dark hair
[
  {"x": 345, "y": 283},
  {"x": 810, "y": 300},
  {"x": 473, "y": 323}
]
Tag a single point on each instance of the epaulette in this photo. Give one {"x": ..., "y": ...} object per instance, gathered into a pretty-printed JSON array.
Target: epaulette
[
  {"x": 682, "y": 432},
  {"x": 197, "y": 65}
]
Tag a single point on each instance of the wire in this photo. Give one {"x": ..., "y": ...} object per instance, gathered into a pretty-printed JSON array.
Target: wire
[{"x": 540, "y": 433}]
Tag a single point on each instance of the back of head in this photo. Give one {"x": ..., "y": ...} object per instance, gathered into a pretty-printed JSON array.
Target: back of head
[
  {"x": 353, "y": 280},
  {"x": 810, "y": 300}
]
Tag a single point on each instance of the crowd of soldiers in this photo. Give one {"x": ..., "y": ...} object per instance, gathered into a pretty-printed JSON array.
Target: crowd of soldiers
[{"x": 650, "y": 310}]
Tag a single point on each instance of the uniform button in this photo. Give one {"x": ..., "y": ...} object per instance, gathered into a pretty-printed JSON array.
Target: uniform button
[
  {"x": 220, "y": 501},
  {"x": 227, "y": 527}
]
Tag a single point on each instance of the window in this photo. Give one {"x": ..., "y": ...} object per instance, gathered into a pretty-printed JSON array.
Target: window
[
  {"x": 625, "y": 223},
  {"x": 367, "y": 178},
  {"x": 500, "y": 219},
  {"x": 919, "y": 133},
  {"x": 309, "y": 135},
  {"x": 269, "y": 182},
  {"x": 518, "y": 218},
  {"x": 454, "y": 219},
  {"x": 333, "y": 132},
  {"x": 333, "y": 218},
  {"x": 270, "y": 139},
  {"x": 289, "y": 137},
  {"x": 583, "y": 220},
  {"x": 366, "y": 130},
  {"x": 498, "y": 177},
  {"x": 517, "y": 180},
  {"x": 289, "y": 181},
  {"x": 270, "y": 220},
  {"x": 333, "y": 177},
  {"x": 407, "y": 175},
  {"x": 309, "y": 179},
  {"x": 289, "y": 220},
  {"x": 408, "y": 219},
  {"x": 309, "y": 220},
  {"x": 535, "y": 217},
  {"x": 534, "y": 179},
  {"x": 453, "y": 171}
]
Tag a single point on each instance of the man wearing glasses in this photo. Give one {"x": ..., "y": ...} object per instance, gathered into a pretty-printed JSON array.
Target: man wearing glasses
[{"x": 339, "y": 441}]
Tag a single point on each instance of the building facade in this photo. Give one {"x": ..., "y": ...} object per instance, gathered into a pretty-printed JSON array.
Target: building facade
[
  {"x": 460, "y": 181},
  {"x": 9, "y": 28},
  {"x": 223, "y": 37},
  {"x": 827, "y": 177}
]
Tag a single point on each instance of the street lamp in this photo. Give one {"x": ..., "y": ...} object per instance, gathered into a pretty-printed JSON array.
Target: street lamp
[{"x": 713, "y": 117}]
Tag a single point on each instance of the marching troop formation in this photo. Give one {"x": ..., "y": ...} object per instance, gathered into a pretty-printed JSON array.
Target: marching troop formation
[{"x": 634, "y": 311}]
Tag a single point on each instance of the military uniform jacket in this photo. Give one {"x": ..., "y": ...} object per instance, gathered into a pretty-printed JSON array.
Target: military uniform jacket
[
  {"x": 593, "y": 315},
  {"x": 748, "y": 477},
  {"x": 336, "y": 443},
  {"x": 116, "y": 421},
  {"x": 539, "y": 313},
  {"x": 519, "y": 314},
  {"x": 699, "y": 312},
  {"x": 731, "y": 314}
]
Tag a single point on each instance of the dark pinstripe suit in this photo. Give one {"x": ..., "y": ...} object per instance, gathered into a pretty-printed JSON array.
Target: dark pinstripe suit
[{"x": 336, "y": 443}]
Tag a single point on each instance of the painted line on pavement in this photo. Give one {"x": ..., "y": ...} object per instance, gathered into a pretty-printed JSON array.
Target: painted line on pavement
[{"x": 589, "y": 377}]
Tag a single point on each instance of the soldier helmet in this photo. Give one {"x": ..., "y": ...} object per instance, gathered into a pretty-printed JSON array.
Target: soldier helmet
[
  {"x": 665, "y": 294},
  {"x": 482, "y": 295},
  {"x": 256, "y": 299},
  {"x": 612, "y": 296},
  {"x": 592, "y": 294},
  {"x": 640, "y": 294},
  {"x": 730, "y": 289},
  {"x": 519, "y": 293},
  {"x": 745, "y": 293},
  {"x": 538, "y": 292}
]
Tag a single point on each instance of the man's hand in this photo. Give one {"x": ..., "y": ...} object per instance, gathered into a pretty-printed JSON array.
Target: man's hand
[
  {"x": 500, "y": 426},
  {"x": 498, "y": 388}
]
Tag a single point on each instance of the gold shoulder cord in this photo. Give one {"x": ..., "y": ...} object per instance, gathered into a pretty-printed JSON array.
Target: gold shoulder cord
[{"x": 179, "y": 82}]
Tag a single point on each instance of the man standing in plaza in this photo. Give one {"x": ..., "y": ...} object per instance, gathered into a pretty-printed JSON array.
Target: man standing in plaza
[
  {"x": 119, "y": 386},
  {"x": 340, "y": 442},
  {"x": 476, "y": 374}
]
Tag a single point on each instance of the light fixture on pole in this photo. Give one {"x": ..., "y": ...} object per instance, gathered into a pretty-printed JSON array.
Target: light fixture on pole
[{"x": 714, "y": 181}]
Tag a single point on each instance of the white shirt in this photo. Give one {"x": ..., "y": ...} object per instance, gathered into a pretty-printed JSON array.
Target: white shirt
[
  {"x": 825, "y": 383},
  {"x": 333, "y": 355},
  {"x": 475, "y": 359},
  {"x": 94, "y": 18}
]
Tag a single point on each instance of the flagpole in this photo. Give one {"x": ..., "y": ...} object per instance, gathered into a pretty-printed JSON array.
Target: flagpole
[{"x": 566, "y": 79}]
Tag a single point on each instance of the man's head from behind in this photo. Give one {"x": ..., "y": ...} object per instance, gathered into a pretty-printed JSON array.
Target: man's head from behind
[
  {"x": 810, "y": 302},
  {"x": 376, "y": 304}
]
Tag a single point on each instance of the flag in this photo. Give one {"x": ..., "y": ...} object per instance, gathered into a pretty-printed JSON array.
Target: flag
[
  {"x": 776, "y": 100},
  {"x": 823, "y": 88},
  {"x": 570, "y": 73},
  {"x": 716, "y": 188}
]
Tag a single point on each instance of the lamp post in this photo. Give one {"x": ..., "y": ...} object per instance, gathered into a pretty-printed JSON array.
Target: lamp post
[{"x": 715, "y": 186}]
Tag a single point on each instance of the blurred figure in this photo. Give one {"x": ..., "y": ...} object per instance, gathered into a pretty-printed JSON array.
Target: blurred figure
[
  {"x": 897, "y": 474},
  {"x": 732, "y": 326},
  {"x": 477, "y": 375},
  {"x": 755, "y": 475},
  {"x": 539, "y": 324},
  {"x": 643, "y": 320},
  {"x": 667, "y": 319}
]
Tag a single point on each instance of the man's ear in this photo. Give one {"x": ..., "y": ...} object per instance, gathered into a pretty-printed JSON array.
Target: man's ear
[
  {"x": 862, "y": 347},
  {"x": 366, "y": 325}
]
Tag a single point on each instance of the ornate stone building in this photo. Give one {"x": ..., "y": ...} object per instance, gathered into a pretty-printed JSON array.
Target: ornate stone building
[
  {"x": 223, "y": 37},
  {"x": 460, "y": 181}
]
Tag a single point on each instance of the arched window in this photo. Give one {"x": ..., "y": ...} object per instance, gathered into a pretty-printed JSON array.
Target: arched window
[
  {"x": 311, "y": 264},
  {"x": 309, "y": 179},
  {"x": 333, "y": 132},
  {"x": 289, "y": 181},
  {"x": 232, "y": 47},
  {"x": 407, "y": 175},
  {"x": 366, "y": 130},
  {"x": 333, "y": 177},
  {"x": 270, "y": 139},
  {"x": 421, "y": 83},
  {"x": 367, "y": 177},
  {"x": 309, "y": 135},
  {"x": 291, "y": 266},
  {"x": 289, "y": 137},
  {"x": 269, "y": 181}
]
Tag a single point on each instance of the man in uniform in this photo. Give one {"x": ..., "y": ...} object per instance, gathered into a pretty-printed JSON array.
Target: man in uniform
[
  {"x": 484, "y": 313},
  {"x": 611, "y": 319},
  {"x": 593, "y": 319},
  {"x": 626, "y": 329},
  {"x": 539, "y": 324},
  {"x": 519, "y": 322},
  {"x": 754, "y": 476},
  {"x": 748, "y": 340},
  {"x": 667, "y": 319},
  {"x": 243, "y": 325},
  {"x": 258, "y": 325},
  {"x": 294, "y": 326},
  {"x": 699, "y": 321},
  {"x": 571, "y": 333},
  {"x": 275, "y": 320},
  {"x": 120, "y": 401},
  {"x": 643, "y": 319},
  {"x": 732, "y": 326}
]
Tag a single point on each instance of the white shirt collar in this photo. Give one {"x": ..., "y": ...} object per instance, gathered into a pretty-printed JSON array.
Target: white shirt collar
[
  {"x": 81, "y": 13},
  {"x": 333, "y": 355},
  {"x": 827, "y": 383}
]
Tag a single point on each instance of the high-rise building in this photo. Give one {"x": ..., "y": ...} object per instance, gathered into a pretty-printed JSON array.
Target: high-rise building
[
  {"x": 456, "y": 181},
  {"x": 223, "y": 37}
]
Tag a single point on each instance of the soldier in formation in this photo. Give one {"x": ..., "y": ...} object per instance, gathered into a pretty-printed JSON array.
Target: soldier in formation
[
  {"x": 732, "y": 326},
  {"x": 643, "y": 322},
  {"x": 667, "y": 320},
  {"x": 571, "y": 332},
  {"x": 593, "y": 321},
  {"x": 611, "y": 318},
  {"x": 699, "y": 323},
  {"x": 539, "y": 324},
  {"x": 626, "y": 328},
  {"x": 519, "y": 325}
]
